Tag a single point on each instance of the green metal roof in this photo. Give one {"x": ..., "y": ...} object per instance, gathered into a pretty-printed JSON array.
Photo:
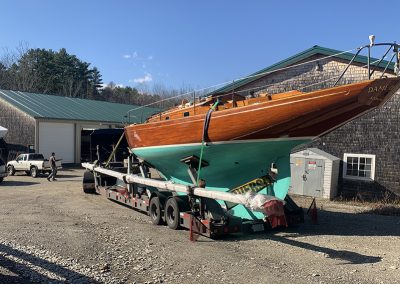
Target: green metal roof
[
  {"x": 66, "y": 108},
  {"x": 295, "y": 59}
]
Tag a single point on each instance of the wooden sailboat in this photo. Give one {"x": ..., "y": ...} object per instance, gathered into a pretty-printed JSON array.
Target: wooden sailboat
[
  {"x": 240, "y": 140},
  {"x": 293, "y": 114}
]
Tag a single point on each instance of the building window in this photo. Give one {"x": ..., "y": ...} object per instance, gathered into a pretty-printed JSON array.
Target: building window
[
  {"x": 186, "y": 113},
  {"x": 359, "y": 166},
  {"x": 167, "y": 118}
]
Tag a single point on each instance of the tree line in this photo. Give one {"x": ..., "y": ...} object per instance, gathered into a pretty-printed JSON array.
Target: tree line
[{"x": 60, "y": 73}]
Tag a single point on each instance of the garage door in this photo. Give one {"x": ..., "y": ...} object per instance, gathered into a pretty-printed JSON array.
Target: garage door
[{"x": 58, "y": 138}]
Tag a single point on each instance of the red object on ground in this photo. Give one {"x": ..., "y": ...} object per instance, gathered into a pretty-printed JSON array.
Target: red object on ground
[
  {"x": 194, "y": 229},
  {"x": 275, "y": 211},
  {"x": 312, "y": 212},
  {"x": 276, "y": 221}
]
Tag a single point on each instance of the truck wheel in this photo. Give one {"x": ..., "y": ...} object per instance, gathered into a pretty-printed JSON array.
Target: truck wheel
[
  {"x": 34, "y": 171},
  {"x": 172, "y": 214},
  {"x": 88, "y": 185},
  {"x": 155, "y": 211},
  {"x": 10, "y": 170}
]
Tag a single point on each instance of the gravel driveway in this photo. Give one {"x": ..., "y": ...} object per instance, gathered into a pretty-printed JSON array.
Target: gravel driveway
[{"x": 54, "y": 233}]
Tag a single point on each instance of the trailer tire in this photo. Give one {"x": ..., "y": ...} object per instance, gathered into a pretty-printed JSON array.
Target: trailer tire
[
  {"x": 10, "y": 170},
  {"x": 34, "y": 171},
  {"x": 88, "y": 184},
  {"x": 155, "y": 211},
  {"x": 172, "y": 213}
]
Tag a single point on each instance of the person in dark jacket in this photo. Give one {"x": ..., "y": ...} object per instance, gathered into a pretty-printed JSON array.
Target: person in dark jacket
[{"x": 52, "y": 161}]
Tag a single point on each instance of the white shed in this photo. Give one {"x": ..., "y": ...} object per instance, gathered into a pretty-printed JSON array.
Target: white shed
[{"x": 314, "y": 173}]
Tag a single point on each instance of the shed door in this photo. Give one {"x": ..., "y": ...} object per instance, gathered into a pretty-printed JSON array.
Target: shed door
[
  {"x": 296, "y": 172},
  {"x": 58, "y": 138},
  {"x": 313, "y": 177}
]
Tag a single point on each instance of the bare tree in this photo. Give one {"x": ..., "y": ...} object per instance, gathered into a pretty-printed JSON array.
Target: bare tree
[{"x": 72, "y": 88}]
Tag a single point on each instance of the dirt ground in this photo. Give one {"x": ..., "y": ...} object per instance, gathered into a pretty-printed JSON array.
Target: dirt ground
[{"x": 54, "y": 233}]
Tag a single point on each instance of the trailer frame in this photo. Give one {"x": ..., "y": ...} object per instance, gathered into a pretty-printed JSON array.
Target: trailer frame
[{"x": 197, "y": 210}]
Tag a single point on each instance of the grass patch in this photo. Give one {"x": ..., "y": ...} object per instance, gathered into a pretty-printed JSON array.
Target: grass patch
[
  {"x": 388, "y": 204},
  {"x": 384, "y": 209}
]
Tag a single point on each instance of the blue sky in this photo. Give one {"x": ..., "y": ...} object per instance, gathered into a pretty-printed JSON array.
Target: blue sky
[{"x": 191, "y": 43}]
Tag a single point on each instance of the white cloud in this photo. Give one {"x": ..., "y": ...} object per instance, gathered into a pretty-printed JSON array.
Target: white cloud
[
  {"x": 111, "y": 85},
  {"x": 128, "y": 55},
  {"x": 150, "y": 57},
  {"x": 144, "y": 66},
  {"x": 147, "y": 78}
]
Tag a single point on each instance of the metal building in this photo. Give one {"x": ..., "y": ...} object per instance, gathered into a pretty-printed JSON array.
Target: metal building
[
  {"x": 314, "y": 173},
  {"x": 46, "y": 123}
]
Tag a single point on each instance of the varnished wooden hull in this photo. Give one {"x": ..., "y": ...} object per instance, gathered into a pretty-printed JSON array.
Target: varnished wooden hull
[{"x": 304, "y": 115}]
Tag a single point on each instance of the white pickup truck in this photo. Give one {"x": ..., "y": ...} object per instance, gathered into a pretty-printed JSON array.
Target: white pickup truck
[{"x": 32, "y": 164}]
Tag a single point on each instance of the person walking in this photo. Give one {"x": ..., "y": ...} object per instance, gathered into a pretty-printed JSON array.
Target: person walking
[{"x": 52, "y": 161}]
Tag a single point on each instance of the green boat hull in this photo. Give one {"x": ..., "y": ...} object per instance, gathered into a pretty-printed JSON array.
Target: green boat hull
[{"x": 230, "y": 165}]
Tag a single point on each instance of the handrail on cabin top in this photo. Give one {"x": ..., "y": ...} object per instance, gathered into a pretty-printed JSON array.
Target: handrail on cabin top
[{"x": 396, "y": 53}]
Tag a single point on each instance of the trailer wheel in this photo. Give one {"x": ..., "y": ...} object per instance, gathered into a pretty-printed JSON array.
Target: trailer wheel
[
  {"x": 88, "y": 185},
  {"x": 10, "y": 170},
  {"x": 155, "y": 211},
  {"x": 34, "y": 172},
  {"x": 172, "y": 214}
]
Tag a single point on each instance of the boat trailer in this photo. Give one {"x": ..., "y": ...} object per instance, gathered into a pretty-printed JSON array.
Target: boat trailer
[{"x": 196, "y": 208}]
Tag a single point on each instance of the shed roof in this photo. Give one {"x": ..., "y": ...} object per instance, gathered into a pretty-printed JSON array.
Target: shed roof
[
  {"x": 295, "y": 59},
  {"x": 316, "y": 152},
  {"x": 66, "y": 108}
]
